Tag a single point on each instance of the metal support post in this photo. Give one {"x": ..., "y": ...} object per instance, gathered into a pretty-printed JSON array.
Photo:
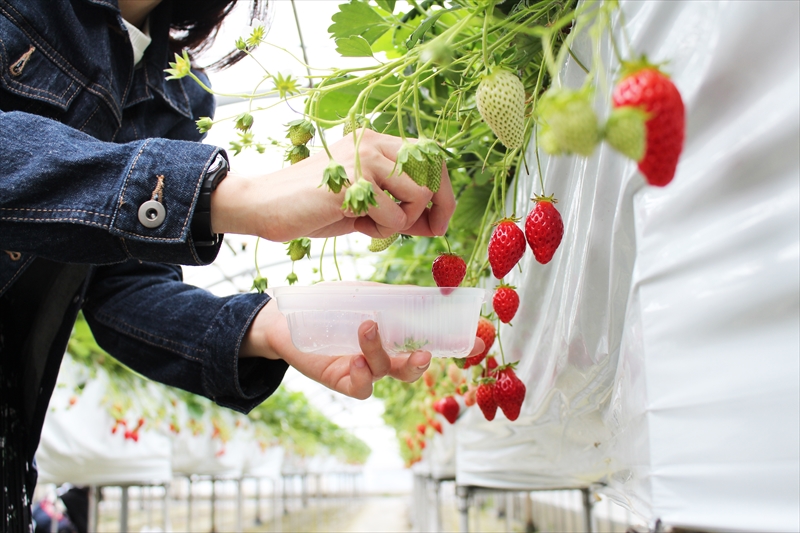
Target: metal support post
[
  {"x": 587, "y": 511},
  {"x": 189, "y": 505},
  {"x": 239, "y": 505},
  {"x": 123, "y": 511},
  {"x": 258, "y": 501},
  {"x": 166, "y": 526},
  {"x": 213, "y": 504},
  {"x": 437, "y": 505},
  {"x": 94, "y": 508},
  {"x": 463, "y": 494}
]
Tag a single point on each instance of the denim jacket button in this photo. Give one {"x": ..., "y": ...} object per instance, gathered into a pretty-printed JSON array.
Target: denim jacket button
[{"x": 152, "y": 214}]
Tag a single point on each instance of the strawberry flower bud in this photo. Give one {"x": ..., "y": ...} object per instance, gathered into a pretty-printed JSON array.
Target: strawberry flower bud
[
  {"x": 180, "y": 68},
  {"x": 359, "y": 197},
  {"x": 244, "y": 121},
  {"x": 204, "y": 124},
  {"x": 334, "y": 177}
]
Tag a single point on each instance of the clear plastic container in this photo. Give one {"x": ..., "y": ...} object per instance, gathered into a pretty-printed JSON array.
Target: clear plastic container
[{"x": 324, "y": 318}]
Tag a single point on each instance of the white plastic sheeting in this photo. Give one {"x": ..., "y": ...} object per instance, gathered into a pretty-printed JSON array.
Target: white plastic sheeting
[
  {"x": 660, "y": 346},
  {"x": 77, "y": 445}
]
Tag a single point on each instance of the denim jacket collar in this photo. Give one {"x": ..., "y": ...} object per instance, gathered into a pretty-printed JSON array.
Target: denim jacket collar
[{"x": 156, "y": 59}]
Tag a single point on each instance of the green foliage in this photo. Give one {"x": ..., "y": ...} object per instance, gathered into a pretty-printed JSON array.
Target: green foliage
[{"x": 285, "y": 418}]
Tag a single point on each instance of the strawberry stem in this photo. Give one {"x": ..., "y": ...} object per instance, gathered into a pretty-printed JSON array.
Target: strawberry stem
[
  {"x": 255, "y": 257},
  {"x": 500, "y": 343},
  {"x": 335, "y": 261},
  {"x": 321, "y": 255},
  {"x": 485, "y": 35}
]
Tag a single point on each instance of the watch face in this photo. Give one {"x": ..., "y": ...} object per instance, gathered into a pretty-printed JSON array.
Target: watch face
[{"x": 218, "y": 162}]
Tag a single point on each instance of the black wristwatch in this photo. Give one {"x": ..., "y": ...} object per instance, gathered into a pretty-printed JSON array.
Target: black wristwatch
[{"x": 201, "y": 222}]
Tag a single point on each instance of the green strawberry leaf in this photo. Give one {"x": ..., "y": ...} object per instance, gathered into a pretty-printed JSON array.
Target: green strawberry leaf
[
  {"x": 388, "y": 5},
  {"x": 354, "y": 46},
  {"x": 471, "y": 205},
  {"x": 425, "y": 26},
  {"x": 337, "y": 104},
  {"x": 357, "y": 18}
]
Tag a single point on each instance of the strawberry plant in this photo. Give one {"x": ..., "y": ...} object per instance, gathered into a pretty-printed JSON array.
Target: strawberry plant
[{"x": 473, "y": 85}]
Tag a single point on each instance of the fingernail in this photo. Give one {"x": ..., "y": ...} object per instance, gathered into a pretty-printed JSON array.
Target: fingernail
[
  {"x": 423, "y": 367},
  {"x": 360, "y": 362},
  {"x": 370, "y": 333}
]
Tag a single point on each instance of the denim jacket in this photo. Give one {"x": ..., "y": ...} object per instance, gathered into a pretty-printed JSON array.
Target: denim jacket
[{"x": 83, "y": 138}]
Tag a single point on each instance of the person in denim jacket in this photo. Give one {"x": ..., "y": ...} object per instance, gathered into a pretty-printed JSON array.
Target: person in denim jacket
[{"x": 92, "y": 137}]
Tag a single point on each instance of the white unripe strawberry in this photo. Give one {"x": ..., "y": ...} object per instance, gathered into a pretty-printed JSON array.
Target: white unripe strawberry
[
  {"x": 568, "y": 123},
  {"x": 501, "y": 103}
]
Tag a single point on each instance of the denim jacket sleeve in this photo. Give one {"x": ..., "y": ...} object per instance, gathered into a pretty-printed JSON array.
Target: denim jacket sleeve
[
  {"x": 70, "y": 197},
  {"x": 178, "y": 334}
]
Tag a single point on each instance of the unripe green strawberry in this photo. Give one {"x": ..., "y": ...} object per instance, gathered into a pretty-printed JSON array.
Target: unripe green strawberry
[
  {"x": 501, "y": 103},
  {"x": 297, "y": 153},
  {"x": 568, "y": 122},
  {"x": 625, "y": 131},
  {"x": 422, "y": 161},
  {"x": 379, "y": 245},
  {"x": 361, "y": 122},
  {"x": 299, "y": 248},
  {"x": 427, "y": 173},
  {"x": 300, "y": 131}
]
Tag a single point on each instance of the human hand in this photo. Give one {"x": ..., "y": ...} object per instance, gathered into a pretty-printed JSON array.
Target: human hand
[
  {"x": 289, "y": 203},
  {"x": 351, "y": 375}
]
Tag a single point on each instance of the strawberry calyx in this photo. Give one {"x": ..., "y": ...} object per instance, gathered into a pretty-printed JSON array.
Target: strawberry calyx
[
  {"x": 503, "y": 220},
  {"x": 537, "y": 198},
  {"x": 506, "y": 366},
  {"x": 504, "y": 285},
  {"x": 632, "y": 66}
]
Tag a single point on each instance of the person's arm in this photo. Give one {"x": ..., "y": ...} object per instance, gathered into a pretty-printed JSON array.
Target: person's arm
[
  {"x": 69, "y": 197},
  {"x": 180, "y": 335},
  {"x": 290, "y": 202}
]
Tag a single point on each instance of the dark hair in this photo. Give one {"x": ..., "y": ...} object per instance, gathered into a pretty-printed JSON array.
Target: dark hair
[{"x": 195, "y": 23}]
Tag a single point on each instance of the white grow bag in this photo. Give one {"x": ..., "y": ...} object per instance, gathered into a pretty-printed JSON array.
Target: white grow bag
[
  {"x": 660, "y": 346},
  {"x": 77, "y": 445}
]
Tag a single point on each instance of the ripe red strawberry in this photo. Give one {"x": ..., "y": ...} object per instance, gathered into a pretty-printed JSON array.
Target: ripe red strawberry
[
  {"x": 448, "y": 270},
  {"x": 509, "y": 392},
  {"x": 436, "y": 425},
  {"x": 487, "y": 333},
  {"x": 506, "y": 247},
  {"x": 544, "y": 229},
  {"x": 484, "y": 397},
  {"x": 450, "y": 409},
  {"x": 644, "y": 86},
  {"x": 421, "y": 429},
  {"x": 505, "y": 303},
  {"x": 438, "y": 406},
  {"x": 491, "y": 365}
]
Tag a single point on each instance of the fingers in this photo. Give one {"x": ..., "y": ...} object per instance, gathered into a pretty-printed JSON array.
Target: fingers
[
  {"x": 416, "y": 218},
  {"x": 360, "y": 378},
  {"x": 478, "y": 347},
  {"x": 405, "y": 368},
  {"x": 444, "y": 205},
  {"x": 410, "y": 368},
  {"x": 377, "y": 359}
]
